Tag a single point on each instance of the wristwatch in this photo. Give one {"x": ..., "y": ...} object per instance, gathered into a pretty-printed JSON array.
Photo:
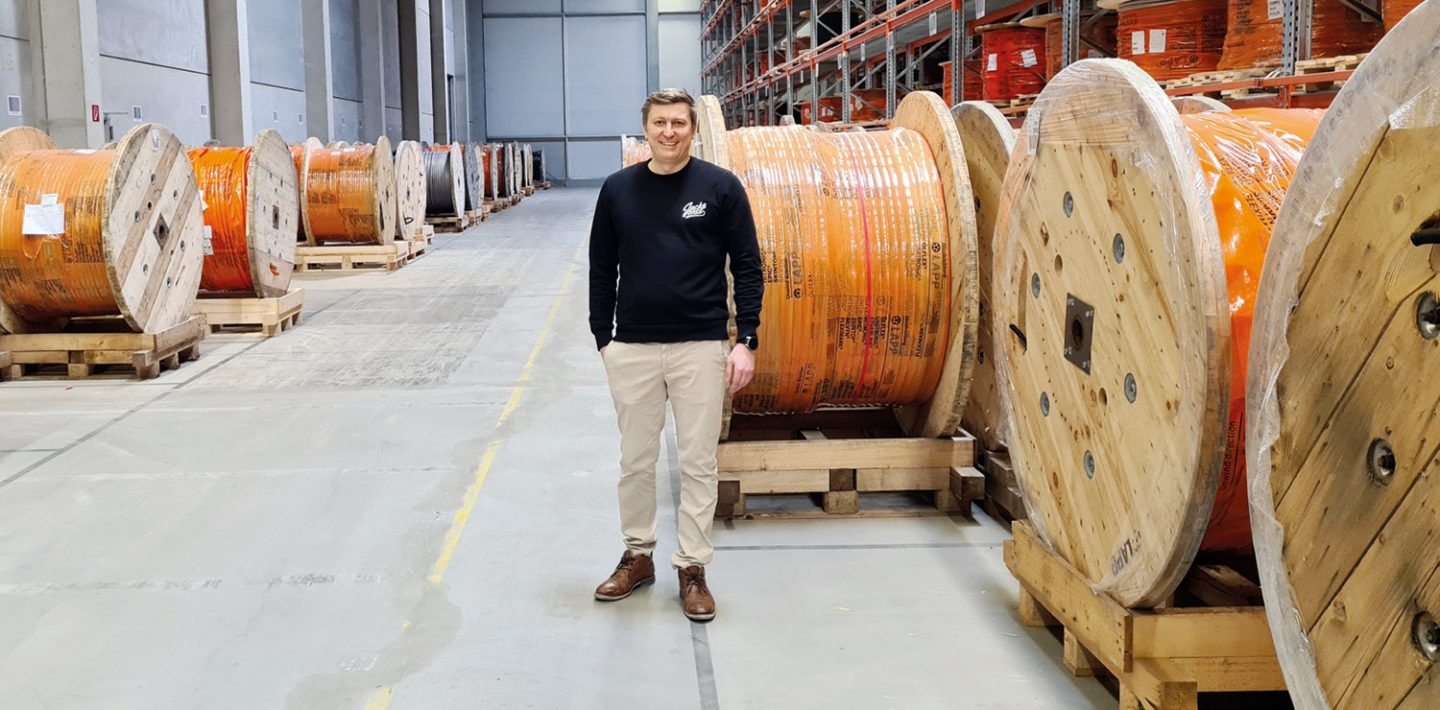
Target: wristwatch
[{"x": 751, "y": 342}]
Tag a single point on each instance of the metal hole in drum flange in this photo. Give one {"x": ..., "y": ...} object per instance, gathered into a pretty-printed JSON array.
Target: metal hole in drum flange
[
  {"x": 1425, "y": 633},
  {"x": 1117, "y": 247},
  {"x": 1089, "y": 465},
  {"x": 1427, "y": 315},
  {"x": 1079, "y": 327},
  {"x": 1381, "y": 462},
  {"x": 1069, "y": 204},
  {"x": 1130, "y": 388},
  {"x": 1044, "y": 404},
  {"x": 1035, "y": 285}
]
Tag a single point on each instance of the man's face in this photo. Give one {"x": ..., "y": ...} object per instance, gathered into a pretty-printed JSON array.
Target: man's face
[{"x": 669, "y": 132}]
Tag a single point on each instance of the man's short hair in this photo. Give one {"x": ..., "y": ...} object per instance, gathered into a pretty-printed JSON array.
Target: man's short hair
[{"x": 668, "y": 97}]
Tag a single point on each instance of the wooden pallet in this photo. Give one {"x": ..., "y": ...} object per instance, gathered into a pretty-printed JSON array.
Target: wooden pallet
[
  {"x": 528, "y": 190},
  {"x": 1016, "y": 102},
  {"x": 417, "y": 246},
  {"x": 476, "y": 216},
  {"x": 93, "y": 347},
  {"x": 346, "y": 258},
  {"x": 1162, "y": 658},
  {"x": 840, "y": 456},
  {"x": 544, "y": 186},
  {"x": 1217, "y": 77},
  {"x": 1326, "y": 67},
  {"x": 267, "y": 316},
  {"x": 1003, "y": 501},
  {"x": 497, "y": 205},
  {"x": 449, "y": 225}
]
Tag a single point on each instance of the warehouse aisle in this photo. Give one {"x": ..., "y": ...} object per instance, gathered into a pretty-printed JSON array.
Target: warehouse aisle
[{"x": 406, "y": 503}]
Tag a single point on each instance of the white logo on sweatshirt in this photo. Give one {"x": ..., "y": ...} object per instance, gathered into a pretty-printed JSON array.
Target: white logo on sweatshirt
[{"x": 693, "y": 210}]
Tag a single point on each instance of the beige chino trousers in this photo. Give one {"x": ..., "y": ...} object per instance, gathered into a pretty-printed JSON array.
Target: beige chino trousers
[{"x": 691, "y": 376}]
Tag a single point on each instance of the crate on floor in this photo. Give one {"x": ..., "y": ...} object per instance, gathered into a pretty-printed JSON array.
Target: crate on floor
[
  {"x": 267, "y": 316},
  {"x": 357, "y": 257},
  {"x": 497, "y": 205},
  {"x": 1213, "y": 638},
  {"x": 90, "y": 347},
  {"x": 448, "y": 225},
  {"x": 544, "y": 186},
  {"x": 841, "y": 456},
  {"x": 419, "y": 244},
  {"x": 1003, "y": 501}
]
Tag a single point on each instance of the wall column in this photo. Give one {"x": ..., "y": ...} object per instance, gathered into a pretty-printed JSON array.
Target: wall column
[
  {"x": 227, "y": 24},
  {"x": 319, "y": 81},
  {"x": 69, "y": 40}
]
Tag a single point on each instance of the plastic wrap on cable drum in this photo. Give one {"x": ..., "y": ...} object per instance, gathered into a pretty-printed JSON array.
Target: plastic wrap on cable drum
[
  {"x": 1170, "y": 40},
  {"x": 1014, "y": 57},
  {"x": 867, "y": 243},
  {"x": 95, "y": 233},
  {"x": 444, "y": 181},
  {"x": 1126, "y": 322},
  {"x": 632, "y": 151},
  {"x": 348, "y": 193},
  {"x": 252, "y": 212},
  {"x": 1254, "y": 35}
]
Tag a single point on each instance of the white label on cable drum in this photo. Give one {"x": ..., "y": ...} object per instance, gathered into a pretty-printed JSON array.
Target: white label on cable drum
[
  {"x": 48, "y": 217},
  {"x": 1027, "y": 58},
  {"x": 1157, "y": 41},
  {"x": 209, "y": 244},
  {"x": 991, "y": 64},
  {"x": 1275, "y": 9},
  {"x": 1137, "y": 42}
]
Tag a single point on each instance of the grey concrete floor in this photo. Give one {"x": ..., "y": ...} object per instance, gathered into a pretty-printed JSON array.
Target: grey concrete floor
[{"x": 406, "y": 503}]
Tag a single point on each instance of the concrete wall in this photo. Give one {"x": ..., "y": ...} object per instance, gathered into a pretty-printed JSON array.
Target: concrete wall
[
  {"x": 16, "y": 69},
  {"x": 391, "y": 37},
  {"x": 277, "y": 68},
  {"x": 345, "y": 67},
  {"x": 153, "y": 55}
]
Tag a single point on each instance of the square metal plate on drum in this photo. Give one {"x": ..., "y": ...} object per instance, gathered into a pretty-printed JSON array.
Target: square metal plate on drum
[{"x": 1079, "y": 324}]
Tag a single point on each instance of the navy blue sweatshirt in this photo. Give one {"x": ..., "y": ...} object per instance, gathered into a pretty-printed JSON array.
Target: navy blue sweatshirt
[{"x": 665, "y": 237}]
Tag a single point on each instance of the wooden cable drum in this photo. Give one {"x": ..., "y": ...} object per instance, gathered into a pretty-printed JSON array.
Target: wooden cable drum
[
  {"x": 988, "y": 140},
  {"x": 1128, "y": 247},
  {"x": 1198, "y": 104},
  {"x": 299, "y": 152},
  {"x": 252, "y": 209},
  {"x": 528, "y": 165},
  {"x": 1170, "y": 39},
  {"x": 410, "y": 189},
  {"x": 444, "y": 181},
  {"x": 97, "y": 232},
  {"x": 1344, "y": 393},
  {"x": 632, "y": 151},
  {"x": 868, "y": 242},
  {"x": 349, "y": 193},
  {"x": 471, "y": 191}
]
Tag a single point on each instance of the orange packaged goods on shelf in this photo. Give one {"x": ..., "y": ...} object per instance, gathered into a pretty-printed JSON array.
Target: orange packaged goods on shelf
[
  {"x": 1393, "y": 11},
  {"x": 252, "y": 207},
  {"x": 1014, "y": 60},
  {"x": 97, "y": 232},
  {"x": 1254, "y": 35},
  {"x": 1123, "y": 324},
  {"x": 868, "y": 259},
  {"x": 1096, "y": 42},
  {"x": 350, "y": 193},
  {"x": 1170, "y": 40}
]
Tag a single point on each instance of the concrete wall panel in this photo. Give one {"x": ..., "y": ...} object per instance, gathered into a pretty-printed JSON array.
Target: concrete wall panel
[
  {"x": 593, "y": 160},
  {"x": 394, "y": 126},
  {"x": 16, "y": 80},
  {"x": 169, "y": 96},
  {"x": 390, "y": 32},
  {"x": 347, "y": 123},
  {"x": 604, "y": 96},
  {"x": 523, "y": 73},
  {"x": 14, "y": 19},
  {"x": 579, "y": 7},
  {"x": 680, "y": 52},
  {"x": 493, "y": 7},
  {"x": 345, "y": 49},
  {"x": 280, "y": 109},
  {"x": 277, "y": 55},
  {"x": 170, "y": 33}
]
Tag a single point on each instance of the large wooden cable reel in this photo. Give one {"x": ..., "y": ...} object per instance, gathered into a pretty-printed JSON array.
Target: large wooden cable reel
[
  {"x": 273, "y": 214},
  {"x": 1112, "y": 330},
  {"x": 375, "y": 220},
  {"x": 150, "y": 222},
  {"x": 989, "y": 139},
  {"x": 1344, "y": 393},
  {"x": 926, "y": 114},
  {"x": 409, "y": 189}
]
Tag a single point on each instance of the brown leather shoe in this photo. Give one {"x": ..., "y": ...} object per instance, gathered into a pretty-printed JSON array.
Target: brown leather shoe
[
  {"x": 633, "y": 572},
  {"x": 695, "y": 596}
]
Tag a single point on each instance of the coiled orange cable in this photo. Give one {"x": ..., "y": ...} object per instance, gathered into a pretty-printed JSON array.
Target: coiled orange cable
[
  {"x": 222, "y": 175},
  {"x": 633, "y": 151},
  {"x": 340, "y": 194},
  {"x": 297, "y": 152},
  {"x": 1247, "y": 158},
  {"x": 1393, "y": 11},
  {"x": 44, "y": 277},
  {"x": 1254, "y": 37},
  {"x": 1171, "y": 40},
  {"x": 1014, "y": 61},
  {"x": 855, "y": 255}
]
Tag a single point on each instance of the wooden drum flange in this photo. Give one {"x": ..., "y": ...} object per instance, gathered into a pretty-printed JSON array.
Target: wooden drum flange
[
  {"x": 273, "y": 214},
  {"x": 1344, "y": 393},
  {"x": 1112, "y": 330},
  {"x": 409, "y": 189}
]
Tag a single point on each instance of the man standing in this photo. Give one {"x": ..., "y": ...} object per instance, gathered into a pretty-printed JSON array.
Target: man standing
[{"x": 664, "y": 228}]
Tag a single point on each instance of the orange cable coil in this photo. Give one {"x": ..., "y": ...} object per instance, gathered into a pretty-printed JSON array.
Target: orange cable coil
[
  {"x": 341, "y": 194},
  {"x": 221, "y": 175},
  {"x": 854, "y": 251},
  {"x": 632, "y": 151},
  {"x": 1248, "y": 158},
  {"x": 1254, "y": 35},
  {"x": 1172, "y": 40},
  {"x": 1101, "y": 33},
  {"x": 47, "y": 277},
  {"x": 1014, "y": 62}
]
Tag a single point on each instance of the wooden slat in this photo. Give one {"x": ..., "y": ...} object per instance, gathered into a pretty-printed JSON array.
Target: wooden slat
[
  {"x": 1099, "y": 623},
  {"x": 1209, "y": 632},
  {"x": 845, "y": 453}
]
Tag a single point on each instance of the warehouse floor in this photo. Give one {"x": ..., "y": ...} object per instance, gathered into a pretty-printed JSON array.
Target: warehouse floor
[{"x": 406, "y": 503}]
